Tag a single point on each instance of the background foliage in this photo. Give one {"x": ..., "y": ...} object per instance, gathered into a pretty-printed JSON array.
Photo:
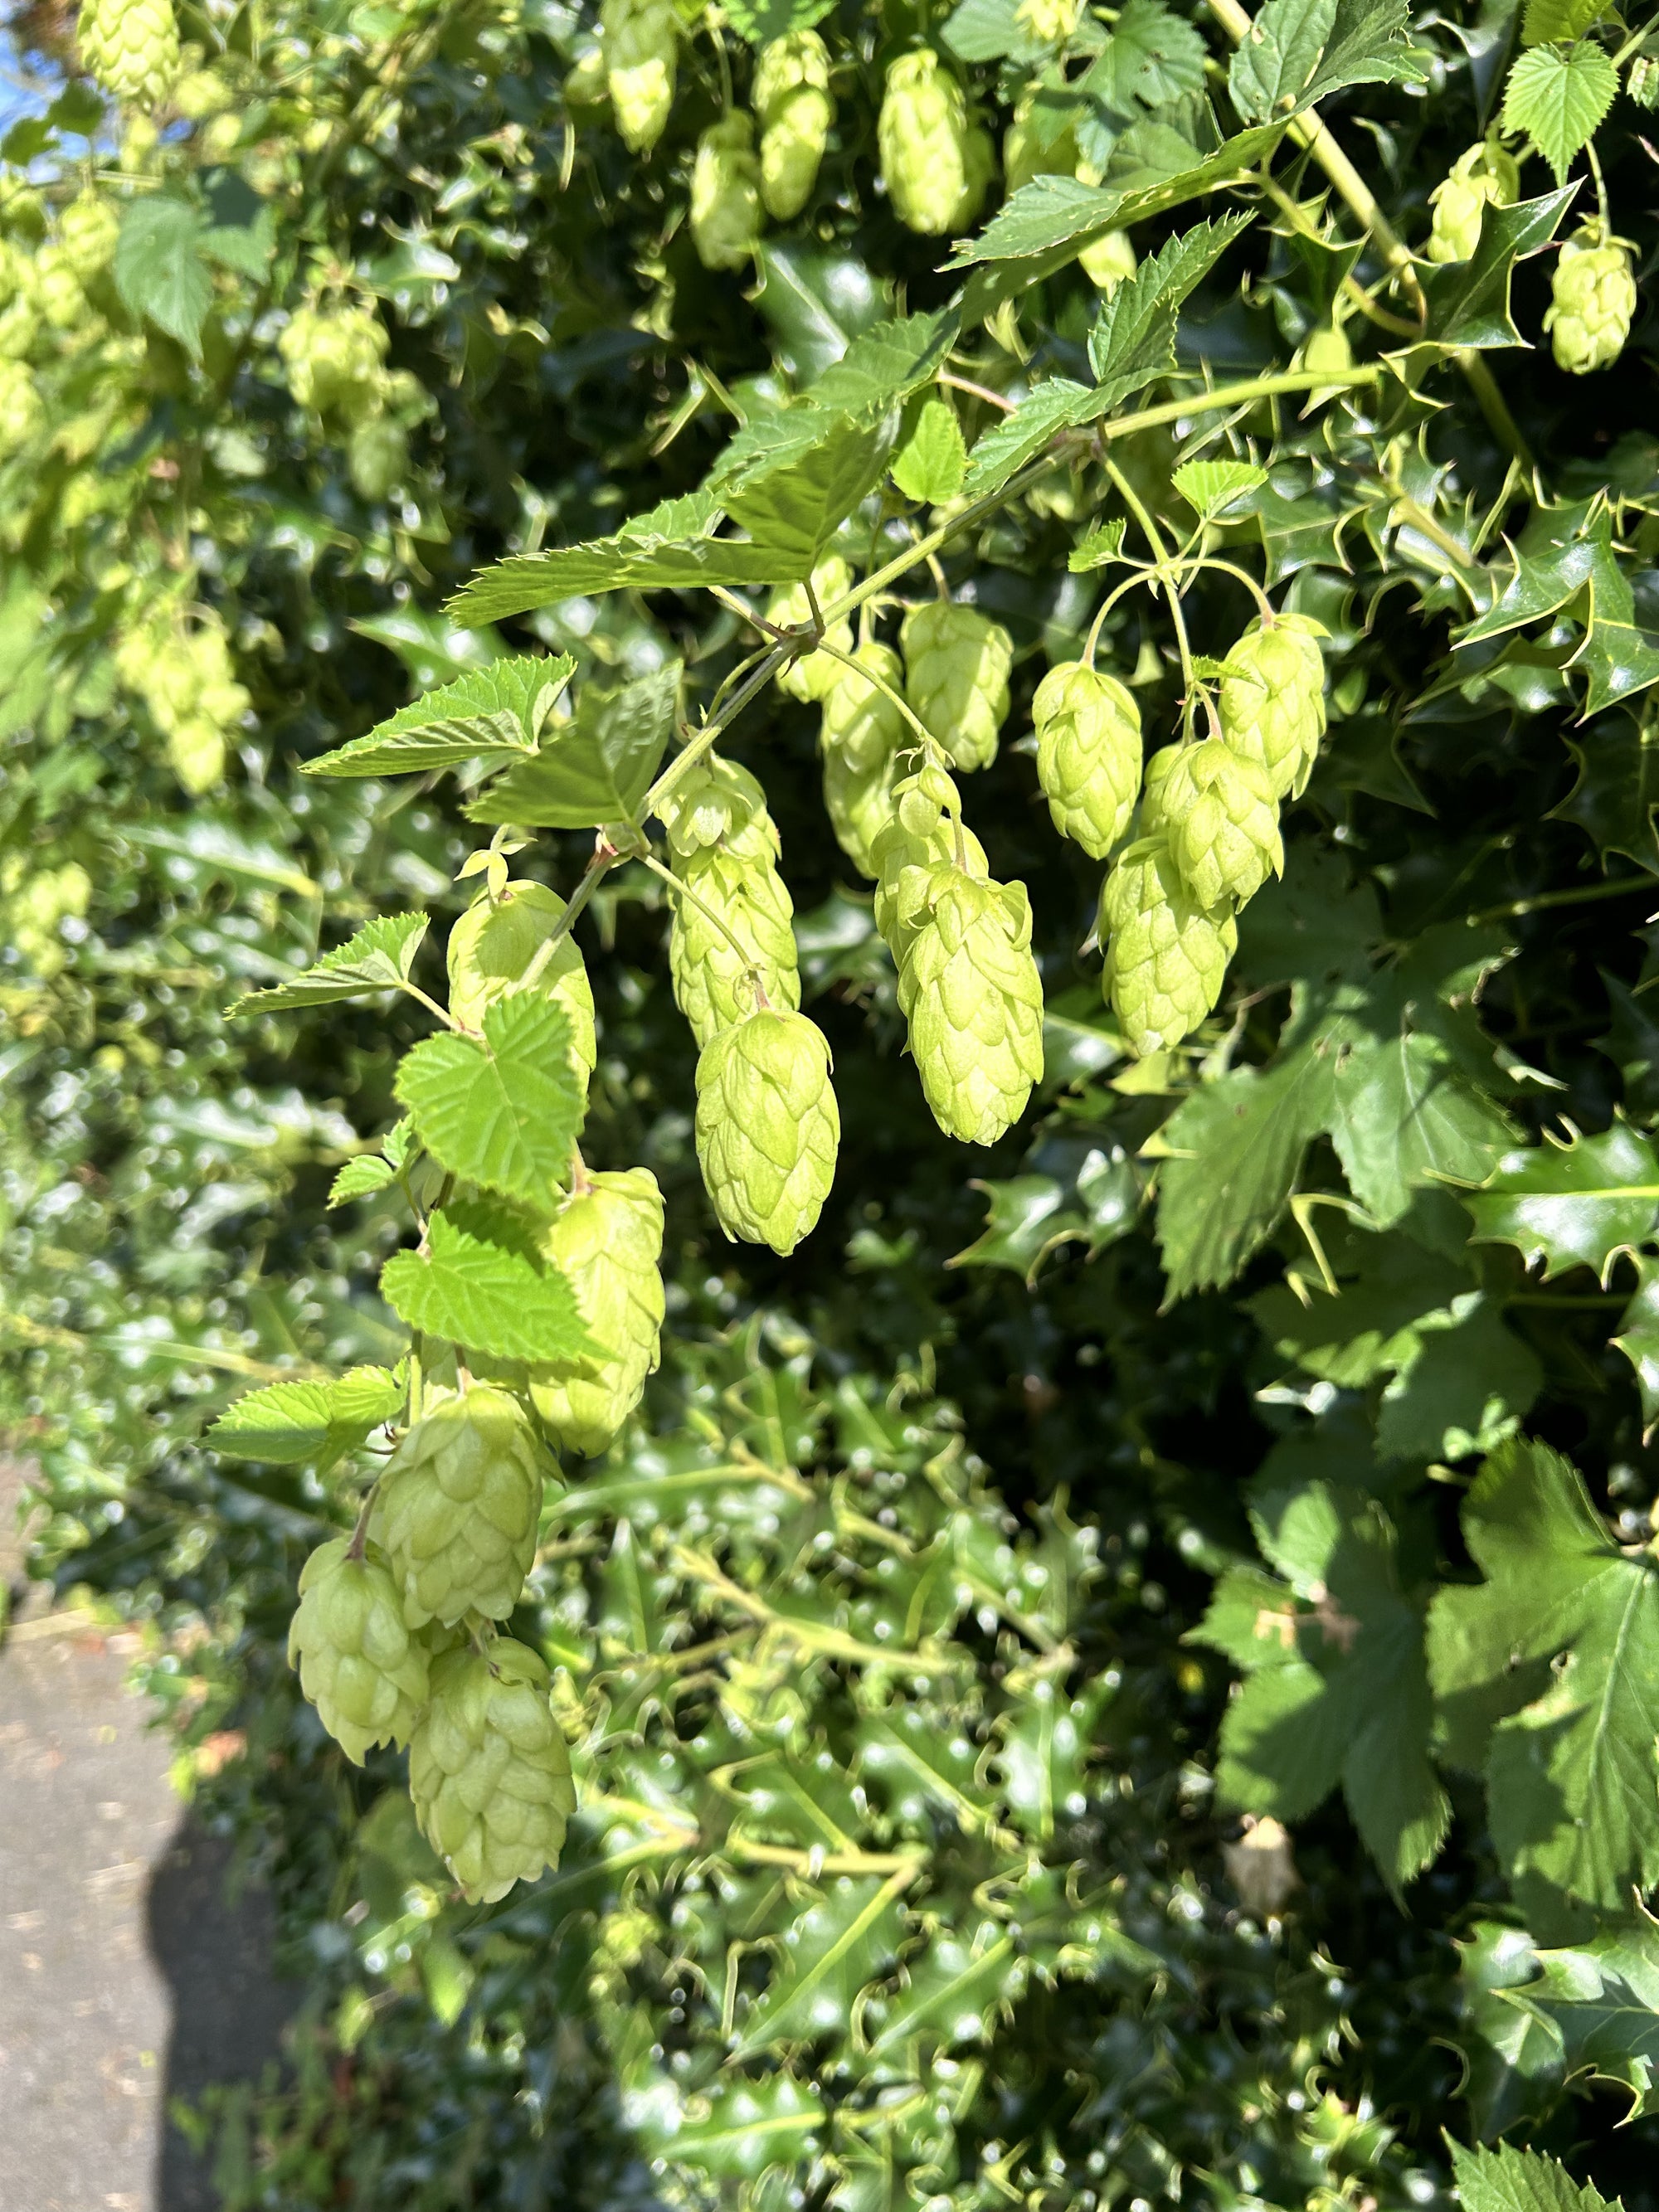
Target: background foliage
[{"x": 1257, "y": 1432}]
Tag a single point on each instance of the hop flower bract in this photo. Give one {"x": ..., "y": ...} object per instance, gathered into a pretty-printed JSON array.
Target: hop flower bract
[
  {"x": 489, "y": 1770},
  {"x": 607, "y": 1241},
  {"x": 767, "y": 1128},
  {"x": 1222, "y": 823},
  {"x": 358, "y": 1662},
  {"x": 1272, "y": 703},
  {"x": 1166, "y": 955},
  {"x": 458, "y": 1508},
  {"x": 1089, "y": 754},
  {"x": 957, "y": 662},
  {"x": 1594, "y": 295},
  {"x": 969, "y": 989},
  {"x": 492, "y": 945},
  {"x": 726, "y": 199}
]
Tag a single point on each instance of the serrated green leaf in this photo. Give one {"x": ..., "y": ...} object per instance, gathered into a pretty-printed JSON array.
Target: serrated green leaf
[
  {"x": 290, "y": 1422},
  {"x": 158, "y": 267},
  {"x": 933, "y": 461},
  {"x": 1558, "y": 96},
  {"x": 1211, "y": 486},
  {"x": 504, "y": 1113},
  {"x": 1298, "y": 51},
  {"x": 883, "y": 366},
  {"x": 793, "y": 506},
  {"x": 469, "y": 1290},
  {"x": 826, "y": 1959},
  {"x": 491, "y": 713},
  {"x": 1469, "y": 301},
  {"x": 1003, "y": 451},
  {"x": 1151, "y": 58},
  {"x": 1548, "y": 21},
  {"x": 1510, "y": 2180},
  {"x": 1133, "y": 337},
  {"x": 1369, "y": 1326},
  {"x": 362, "y": 1178},
  {"x": 1104, "y": 543},
  {"x": 596, "y": 768},
  {"x": 1576, "y": 1204},
  {"x": 379, "y": 958}
]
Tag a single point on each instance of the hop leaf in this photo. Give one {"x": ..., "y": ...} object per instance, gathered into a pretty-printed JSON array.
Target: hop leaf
[
  {"x": 726, "y": 200},
  {"x": 458, "y": 1509},
  {"x": 131, "y": 48},
  {"x": 357, "y": 1660},
  {"x": 925, "y": 832},
  {"x": 793, "y": 99},
  {"x": 969, "y": 989},
  {"x": 934, "y": 172},
  {"x": 1484, "y": 174},
  {"x": 1166, "y": 955},
  {"x": 1273, "y": 701},
  {"x": 638, "y": 41},
  {"x": 957, "y": 662},
  {"x": 767, "y": 1128},
  {"x": 492, "y": 945},
  {"x": 489, "y": 1770},
  {"x": 814, "y": 674},
  {"x": 1089, "y": 754},
  {"x": 1223, "y": 825},
  {"x": 607, "y": 1241},
  {"x": 1594, "y": 292}
]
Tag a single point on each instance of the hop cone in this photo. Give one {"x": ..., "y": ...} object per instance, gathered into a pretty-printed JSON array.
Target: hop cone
[
  {"x": 739, "y": 923},
  {"x": 378, "y": 457},
  {"x": 957, "y": 662},
  {"x": 767, "y": 1128},
  {"x": 971, "y": 992},
  {"x": 923, "y": 138},
  {"x": 358, "y": 1662},
  {"x": 921, "y": 835},
  {"x": 641, "y": 46},
  {"x": 1484, "y": 173},
  {"x": 21, "y": 412},
  {"x": 489, "y": 1770},
  {"x": 1027, "y": 153},
  {"x": 1166, "y": 955},
  {"x": 1051, "y": 21},
  {"x": 725, "y": 202},
  {"x": 861, "y": 723},
  {"x": 1089, "y": 756},
  {"x": 1222, "y": 823},
  {"x": 131, "y": 48},
  {"x": 1108, "y": 261},
  {"x": 793, "y": 99},
  {"x": 493, "y": 943},
  {"x": 86, "y": 231},
  {"x": 1594, "y": 292},
  {"x": 1643, "y": 81},
  {"x": 719, "y": 806},
  {"x": 859, "y": 802},
  {"x": 980, "y": 166},
  {"x": 336, "y": 360},
  {"x": 607, "y": 1241},
  {"x": 814, "y": 673},
  {"x": 458, "y": 1509},
  {"x": 1273, "y": 710}
]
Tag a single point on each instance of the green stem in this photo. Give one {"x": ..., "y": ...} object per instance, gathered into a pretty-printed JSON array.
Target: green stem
[
  {"x": 682, "y": 889},
  {"x": 1137, "y": 507},
  {"x": 881, "y": 684},
  {"x": 1583, "y": 894}
]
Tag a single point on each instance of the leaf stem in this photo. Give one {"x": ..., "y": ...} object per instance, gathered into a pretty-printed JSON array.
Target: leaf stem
[
  {"x": 1154, "y": 537},
  {"x": 1581, "y": 895}
]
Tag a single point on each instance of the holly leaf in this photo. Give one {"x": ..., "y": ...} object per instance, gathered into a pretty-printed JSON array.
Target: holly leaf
[
  {"x": 379, "y": 958},
  {"x": 1032, "y": 1216},
  {"x": 1601, "y": 1999},
  {"x": 1638, "y": 1339},
  {"x": 933, "y": 461},
  {"x": 503, "y": 1113},
  {"x": 1615, "y": 799},
  {"x": 1559, "y": 94},
  {"x": 159, "y": 269},
  {"x": 596, "y": 768},
  {"x": 1510, "y": 2180},
  {"x": 490, "y": 714},
  {"x": 288, "y": 1422},
  {"x": 492, "y": 1296},
  {"x": 1469, "y": 302},
  {"x": 1576, "y": 1202},
  {"x": 955, "y": 1993},
  {"x": 826, "y": 1958}
]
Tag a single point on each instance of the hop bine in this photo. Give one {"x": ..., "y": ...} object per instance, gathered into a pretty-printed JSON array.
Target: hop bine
[
  {"x": 1485, "y": 174},
  {"x": 358, "y": 1662},
  {"x": 767, "y": 1128},
  {"x": 1272, "y": 702},
  {"x": 969, "y": 990},
  {"x": 957, "y": 662},
  {"x": 1594, "y": 295},
  {"x": 1166, "y": 955},
  {"x": 737, "y": 926},
  {"x": 488, "y": 1771},
  {"x": 606, "y": 1240},
  {"x": 726, "y": 198},
  {"x": 793, "y": 99},
  {"x": 458, "y": 1507},
  {"x": 492, "y": 946},
  {"x": 936, "y": 165},
  {"x": 1222, "y": 823},
  {"x": 1089, "y": 754},
  {"x": 639, "y": 40}
]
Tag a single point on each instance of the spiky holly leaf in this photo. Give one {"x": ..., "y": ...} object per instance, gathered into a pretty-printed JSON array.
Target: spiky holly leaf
[
  {"x": 826, "y": 1958},
  {"x": 1576, "y": 1202}
]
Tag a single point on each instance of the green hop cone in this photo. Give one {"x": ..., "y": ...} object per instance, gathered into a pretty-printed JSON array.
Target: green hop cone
[
  {"x": 1643, "y": 81},
  {"x": 1089, "y": 754},
  {"x": 489, "y": 1769},
  {"x": 859, "y": 802},
  {"x": 863, "y": 724},
  {"x": 1273, "y": 700},
  {"x": 1030, "y": 149},
  {"x": 130, "y": 48},
  {"x": 358, "y": 1662},
  {"x": 1166, "y": 955},
  {"x": 1222, "y": 823},
  {"x": 1594, "y": 292},
  {"x": 336, "y": 360},
  {"x": 767, "y": 1128},
  {"x": 606, "y": 1239},
  {"x": 493, "y": 943},
  {"x": 719, "y": 808},
  {"x": 1485, "y": 174},
  {"x": 793, "y": 99},
  {"x": 923, "y": 138},
  {"x": 458, "y": 1508},
  {"x": 87, "y": 232},
  {"x": 640, "y": 40},
  {"x": 1108, "y": 261},
  {"x": 725, "y": 201},
  {"x": 811, "y": 676},
  {"x": 738, "y": 922},
  {"x": 1051, "y": 21},
  {"x": 924, "y": 832},
  {"x": 378, "y": 457},
  {"x": 957, "y": 662},
  {"x": 21, "y": 415},
  {"x": 971, "y": 992}
]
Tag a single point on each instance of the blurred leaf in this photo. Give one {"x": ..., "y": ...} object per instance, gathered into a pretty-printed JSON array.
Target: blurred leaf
[
  {"x": 595, "y": 768},
  {"x": 761, "y": 20},
  {"x": 159, "y": 269},
  {"x": 826, "y": 1959}
]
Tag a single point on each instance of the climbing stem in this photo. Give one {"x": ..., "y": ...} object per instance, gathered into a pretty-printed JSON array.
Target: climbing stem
[{"x": 1142, "y": 515}]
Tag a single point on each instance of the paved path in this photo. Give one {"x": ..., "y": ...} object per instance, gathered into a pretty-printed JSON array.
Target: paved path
[{"x": 126, "y": 1976}]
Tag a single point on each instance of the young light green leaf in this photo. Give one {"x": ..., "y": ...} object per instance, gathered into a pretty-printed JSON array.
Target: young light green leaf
[
  {"x": 379, "y": 958},
  {"x": 362, "y": 1178},
  {"x": 1505, "y": 2179},
  {"x": 1211, "y": 486},
  {"x": 1558, "y": 95},
  {"x": 159, "y": 269},
  {"x": 1103, "y": 543},
  {"x": 1151, "y": 58},
  {"x": 595, "y": 768},
  {"x": 490, "y": 714},
  {"x": 933, "y": 461},
  {"x": 990, "y": 31},
  {"x": 488, "y": 1297},
  {"x": 503, "y": 1113},
  {"x": 288, "y": 1422},
  {"x": 1547, "y": 22}
]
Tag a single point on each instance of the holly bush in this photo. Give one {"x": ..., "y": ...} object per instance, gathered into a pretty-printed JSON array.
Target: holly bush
[{"x": 829, "y": 1129}]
